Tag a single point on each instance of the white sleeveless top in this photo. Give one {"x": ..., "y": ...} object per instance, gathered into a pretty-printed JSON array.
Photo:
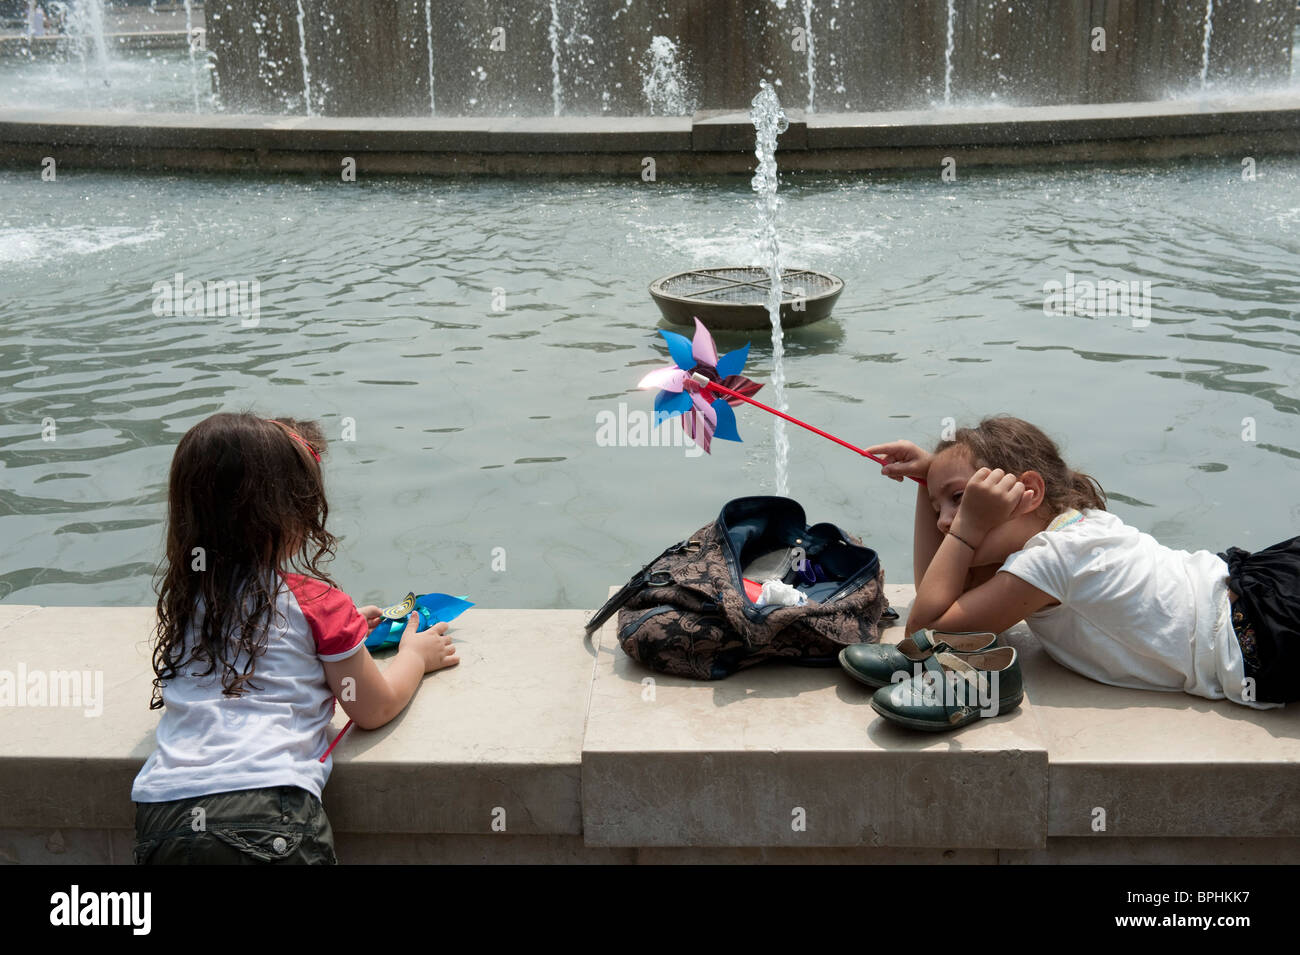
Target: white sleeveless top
[{"x": 1132, "y": 612}]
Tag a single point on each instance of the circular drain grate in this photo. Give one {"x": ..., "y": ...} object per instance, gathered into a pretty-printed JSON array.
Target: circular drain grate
[{"x": 736, "y": 296}]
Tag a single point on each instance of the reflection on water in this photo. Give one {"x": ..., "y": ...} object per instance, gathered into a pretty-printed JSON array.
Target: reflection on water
[{"x": 471, "y": 332}]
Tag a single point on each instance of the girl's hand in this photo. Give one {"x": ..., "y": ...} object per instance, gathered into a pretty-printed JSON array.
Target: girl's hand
[
  {"x": 904, "y": 459},
  {"x": 372, "y": 614},
  {"x": 374, "y": 696},
  {"x": 991, "y": 498},
  {"x": 433, "y": 645}
]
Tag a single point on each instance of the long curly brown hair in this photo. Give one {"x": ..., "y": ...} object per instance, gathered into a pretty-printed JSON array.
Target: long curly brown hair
[
  {"x": 245, "y": 504},
  {"x": 1017, "y": 446}
]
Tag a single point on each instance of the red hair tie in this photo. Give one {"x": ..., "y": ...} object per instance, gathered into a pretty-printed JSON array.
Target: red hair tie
[{"x": 296, "y": 436}]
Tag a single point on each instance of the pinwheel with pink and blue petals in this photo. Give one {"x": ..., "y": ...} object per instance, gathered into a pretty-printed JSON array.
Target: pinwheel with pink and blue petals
[
  {"x": 699, "y": 371},
  {"x": 681, "y": 394}
]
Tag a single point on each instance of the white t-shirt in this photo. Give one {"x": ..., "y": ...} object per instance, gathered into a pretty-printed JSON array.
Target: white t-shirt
[
  {"x": 270, "y": 736},
  {"x": 1132, "y": 612}
]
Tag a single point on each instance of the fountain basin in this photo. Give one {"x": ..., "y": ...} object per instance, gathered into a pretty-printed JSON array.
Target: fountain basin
[{"x": 736, "y": 296}]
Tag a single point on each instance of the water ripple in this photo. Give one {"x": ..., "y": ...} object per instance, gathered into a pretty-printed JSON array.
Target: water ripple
[{"x": 458, "y": 339}]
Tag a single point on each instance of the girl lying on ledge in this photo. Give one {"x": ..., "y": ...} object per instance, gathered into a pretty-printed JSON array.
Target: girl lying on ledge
[
  {"x": 1019, "y": 535},
  {"x": 249, "y": 656}
]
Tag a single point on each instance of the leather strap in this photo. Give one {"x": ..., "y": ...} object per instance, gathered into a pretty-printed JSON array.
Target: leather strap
[
  {"x": 923, "y": 644},
  {"x": 921, "y": 640},
  {"x": 641, "y": 579},
  {"x": 942, "y": 661}
]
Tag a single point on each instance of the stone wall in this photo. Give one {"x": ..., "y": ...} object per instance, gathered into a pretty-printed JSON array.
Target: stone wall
[
  {"x": 372, "y": 58},
  {"x": 547, "y": 746}
]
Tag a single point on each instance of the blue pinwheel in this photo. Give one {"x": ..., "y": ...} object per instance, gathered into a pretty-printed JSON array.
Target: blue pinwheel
[
  {"x": 680, "y": 394},
  {"x": 433, "y": 608}
]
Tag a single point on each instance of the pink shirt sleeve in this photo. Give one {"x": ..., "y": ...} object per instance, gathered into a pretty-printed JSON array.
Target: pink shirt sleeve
[{"x": 337, "y": 626}]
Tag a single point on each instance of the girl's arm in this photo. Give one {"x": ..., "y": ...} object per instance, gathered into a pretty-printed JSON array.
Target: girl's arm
[
  {"x": 991, "y": 607},
  {"x": 942, "y": 582},
  {"x": 926, "y": 536},
  {"x": 370, "y": 696},
  {"x": 903, "y": 459}
]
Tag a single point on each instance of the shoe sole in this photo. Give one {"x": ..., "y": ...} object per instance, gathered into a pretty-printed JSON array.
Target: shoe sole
[{"x": 930, "y": 726}]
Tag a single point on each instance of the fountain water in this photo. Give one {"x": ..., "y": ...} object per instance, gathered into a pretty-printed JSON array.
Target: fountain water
[
  {"x": 1205, "y": 43},
  {"x": 812, "y": 55},
  {"x": 947, "y": 53},
  {"x": 663, "y": 82},
  {"x": 189, "y": 40},
  {"x": 554, "y": 34},
  {"x": 214, "y": 82},
  {"x": 770, "y": 121},
  {"x": 85, "y": 23},
  {"x": 302, "y": 55},
  {"x": 428, "y": 39}
]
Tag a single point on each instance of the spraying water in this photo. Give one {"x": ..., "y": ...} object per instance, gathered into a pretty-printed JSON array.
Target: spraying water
[
  {"x": 85, "y": 22},
  {"x": 947, "y": 53},
  {"x": 189, "y": 37},
  {"x": 663, "y": 82},
  {"x": 214, "y": 81},
  {"x": 302, "y": 55},
  {"x": 812, "y": 55},
  {"x": 428, "y": 39},
  {"x": 770, "y": 121},
  {"x": 1205, "y": 43},
  {"x": 554, "y": 33}
]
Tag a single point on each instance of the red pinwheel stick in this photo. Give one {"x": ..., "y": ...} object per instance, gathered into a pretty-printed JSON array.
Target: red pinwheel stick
[
  {"x": 706, "y": 383},
  {"x": 347, "y": 726}
]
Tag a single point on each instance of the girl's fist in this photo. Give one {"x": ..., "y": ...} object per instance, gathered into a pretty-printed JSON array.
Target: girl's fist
[{"x": 992, "y": 497}]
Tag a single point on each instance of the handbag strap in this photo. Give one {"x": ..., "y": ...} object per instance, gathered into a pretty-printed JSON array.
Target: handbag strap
[{"x": 640, "y": 580}]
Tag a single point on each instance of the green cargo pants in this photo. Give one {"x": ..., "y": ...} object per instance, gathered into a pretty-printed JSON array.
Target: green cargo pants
[{"x": 279, "y": 824}]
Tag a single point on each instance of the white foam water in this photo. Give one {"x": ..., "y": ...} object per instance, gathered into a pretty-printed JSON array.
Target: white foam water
[
  {"x": 948, "y": 52},
  {"x": 663, "y": 82},
  {"x": 770, "y": 121},
  {"x": 557, "y": 101},
  {"x": 428, "y": 40},
  {"x": 42, "y": 245},
  {"x": 189, "y": 41},
  {"x": 811, "y": 59},
  {"x": 1206, "y": 34},
  {"x": 302, "y": 56},
  {"x": 85, "y": 24}
]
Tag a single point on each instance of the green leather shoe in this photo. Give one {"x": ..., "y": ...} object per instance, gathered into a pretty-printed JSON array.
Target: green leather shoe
[
  {"x": 954, "y": 689},
  {"x": 876, "y": 663}
]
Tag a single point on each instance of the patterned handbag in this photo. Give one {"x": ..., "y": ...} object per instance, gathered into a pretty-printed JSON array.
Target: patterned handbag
[{"x": 691, "y": 611}]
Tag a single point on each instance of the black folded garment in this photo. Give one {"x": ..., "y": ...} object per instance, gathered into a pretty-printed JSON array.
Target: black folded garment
[{"x": 1267, "y": 585}]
